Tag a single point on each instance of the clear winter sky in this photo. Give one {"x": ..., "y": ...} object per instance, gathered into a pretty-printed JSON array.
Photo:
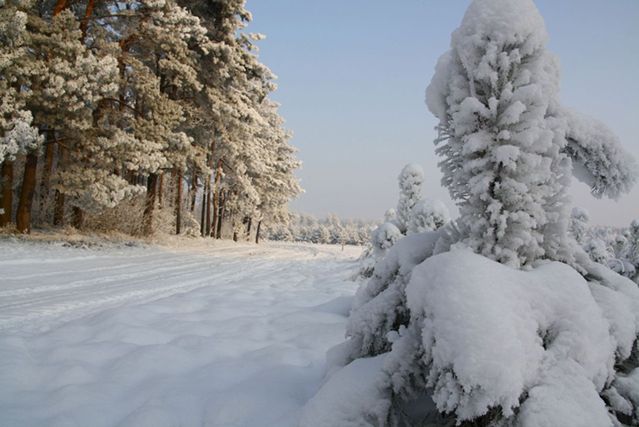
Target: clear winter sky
[{"x": 352, "y": 75}]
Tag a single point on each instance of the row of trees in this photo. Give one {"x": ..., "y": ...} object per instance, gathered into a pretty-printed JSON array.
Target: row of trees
[
  {"x": 109, "y": 107},
  {"x": 329, "y": 230},
  {"x": 617, "y": 248}
]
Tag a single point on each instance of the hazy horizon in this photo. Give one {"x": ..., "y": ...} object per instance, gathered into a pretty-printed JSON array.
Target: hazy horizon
[{"x": 352, "y": 77}]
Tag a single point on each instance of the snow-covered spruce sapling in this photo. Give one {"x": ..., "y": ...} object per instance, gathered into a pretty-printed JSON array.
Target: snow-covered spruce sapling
[
  {"x": 410, "y": 181},
  {"x": 428, "y": 215}
]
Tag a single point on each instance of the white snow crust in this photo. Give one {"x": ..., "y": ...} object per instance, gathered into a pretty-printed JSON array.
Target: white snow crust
[{"x": 211, "y": 335}]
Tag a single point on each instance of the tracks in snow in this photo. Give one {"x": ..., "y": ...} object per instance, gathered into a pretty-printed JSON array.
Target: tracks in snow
[{"x": 43, "y": 288}]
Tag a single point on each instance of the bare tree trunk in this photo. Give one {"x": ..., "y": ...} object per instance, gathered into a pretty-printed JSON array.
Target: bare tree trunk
[
  {"x": 7, "y": 193},
  {"x": 151, "y": 192},
  {"x": 257, "y": 232},
  {"x": 178, "y": 203},
  {"x": 25, "y": 203},
  {"x": 78, "y": 218}
]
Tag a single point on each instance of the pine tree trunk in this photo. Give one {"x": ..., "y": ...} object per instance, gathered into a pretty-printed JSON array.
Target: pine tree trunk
[
  {"x": 178, "y": 203},
  {"x": 58, "y": 210},
  {"x": 84, "y": 25},
  {"x": 216, "y": 194},
  {"x": 171, "y": 192},
  {"x": 203, "y": 216},
  {"x": 46, "y": 174},
  {"x": 160, "y": 190},
  {"x": 60, "y": 5},
  {"x": 208, "y": 205},
  {"x": 25, "y": 203},
  {"x": 78, "y": 218},
  {"x": 193, "y": 192},
  {"x": 7, "y": 193},
  {"x": 151, "y": 192},
  {"x": 257, "y": 232},
  {"x": 248, "y": 228},
  {"x": 220, "y": 218}
]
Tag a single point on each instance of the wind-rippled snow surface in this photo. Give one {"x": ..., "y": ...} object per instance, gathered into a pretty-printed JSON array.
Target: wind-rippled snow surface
[{"x": 225, "y": 335}]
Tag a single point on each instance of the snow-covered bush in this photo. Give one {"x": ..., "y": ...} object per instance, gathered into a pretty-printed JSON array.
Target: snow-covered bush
[
  {"x": 383, "y": 238},
  {"x": 631, "y": 252},
  {"x": 598, "y": 250},
  {"x": 609, "y": 246},
  {"x": 483, "y": 341},
  {"x": 579, "y": 219},
  {"x": 390, "y": 215},
  {"x": 428, "y": 215}
]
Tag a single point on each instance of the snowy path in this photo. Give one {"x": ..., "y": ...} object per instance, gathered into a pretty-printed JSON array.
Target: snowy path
[{"x": 228, "y": 335}]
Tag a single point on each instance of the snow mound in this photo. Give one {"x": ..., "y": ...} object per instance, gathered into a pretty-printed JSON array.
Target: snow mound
[
  {"x": 487, "y": 341},
  {"x": 492, "y": 334},
  {"x": 351, "y": 398}
]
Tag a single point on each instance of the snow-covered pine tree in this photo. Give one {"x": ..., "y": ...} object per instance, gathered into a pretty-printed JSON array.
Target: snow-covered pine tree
[
  {"x": 166, "y": 87},
  {"x": 64, "y": 89},
  {"x": 17, "y": 135},
  {"x": 507, "y": 144},
  {"x": 410, "y": 180},
  {"x": 631, "y": 254},
  {"x": 444, "y": 335}
]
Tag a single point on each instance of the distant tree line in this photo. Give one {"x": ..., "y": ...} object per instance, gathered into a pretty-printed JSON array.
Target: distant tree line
[
  {"x": 112, "y": 111},
  {"x": 616, "y": 248},
  {"x": 329, "y": 230}
]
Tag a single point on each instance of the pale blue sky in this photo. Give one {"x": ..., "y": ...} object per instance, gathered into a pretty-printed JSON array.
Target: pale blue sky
[{"x": 352, "y": 75}]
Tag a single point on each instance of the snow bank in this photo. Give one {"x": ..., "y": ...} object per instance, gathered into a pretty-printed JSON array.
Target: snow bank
[
  {"x": 492, "y": 333},
  {"x": 353, "y": 397}
]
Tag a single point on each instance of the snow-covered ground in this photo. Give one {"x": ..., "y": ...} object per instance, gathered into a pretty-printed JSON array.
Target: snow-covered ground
[{"x": 208, "y": 335}]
